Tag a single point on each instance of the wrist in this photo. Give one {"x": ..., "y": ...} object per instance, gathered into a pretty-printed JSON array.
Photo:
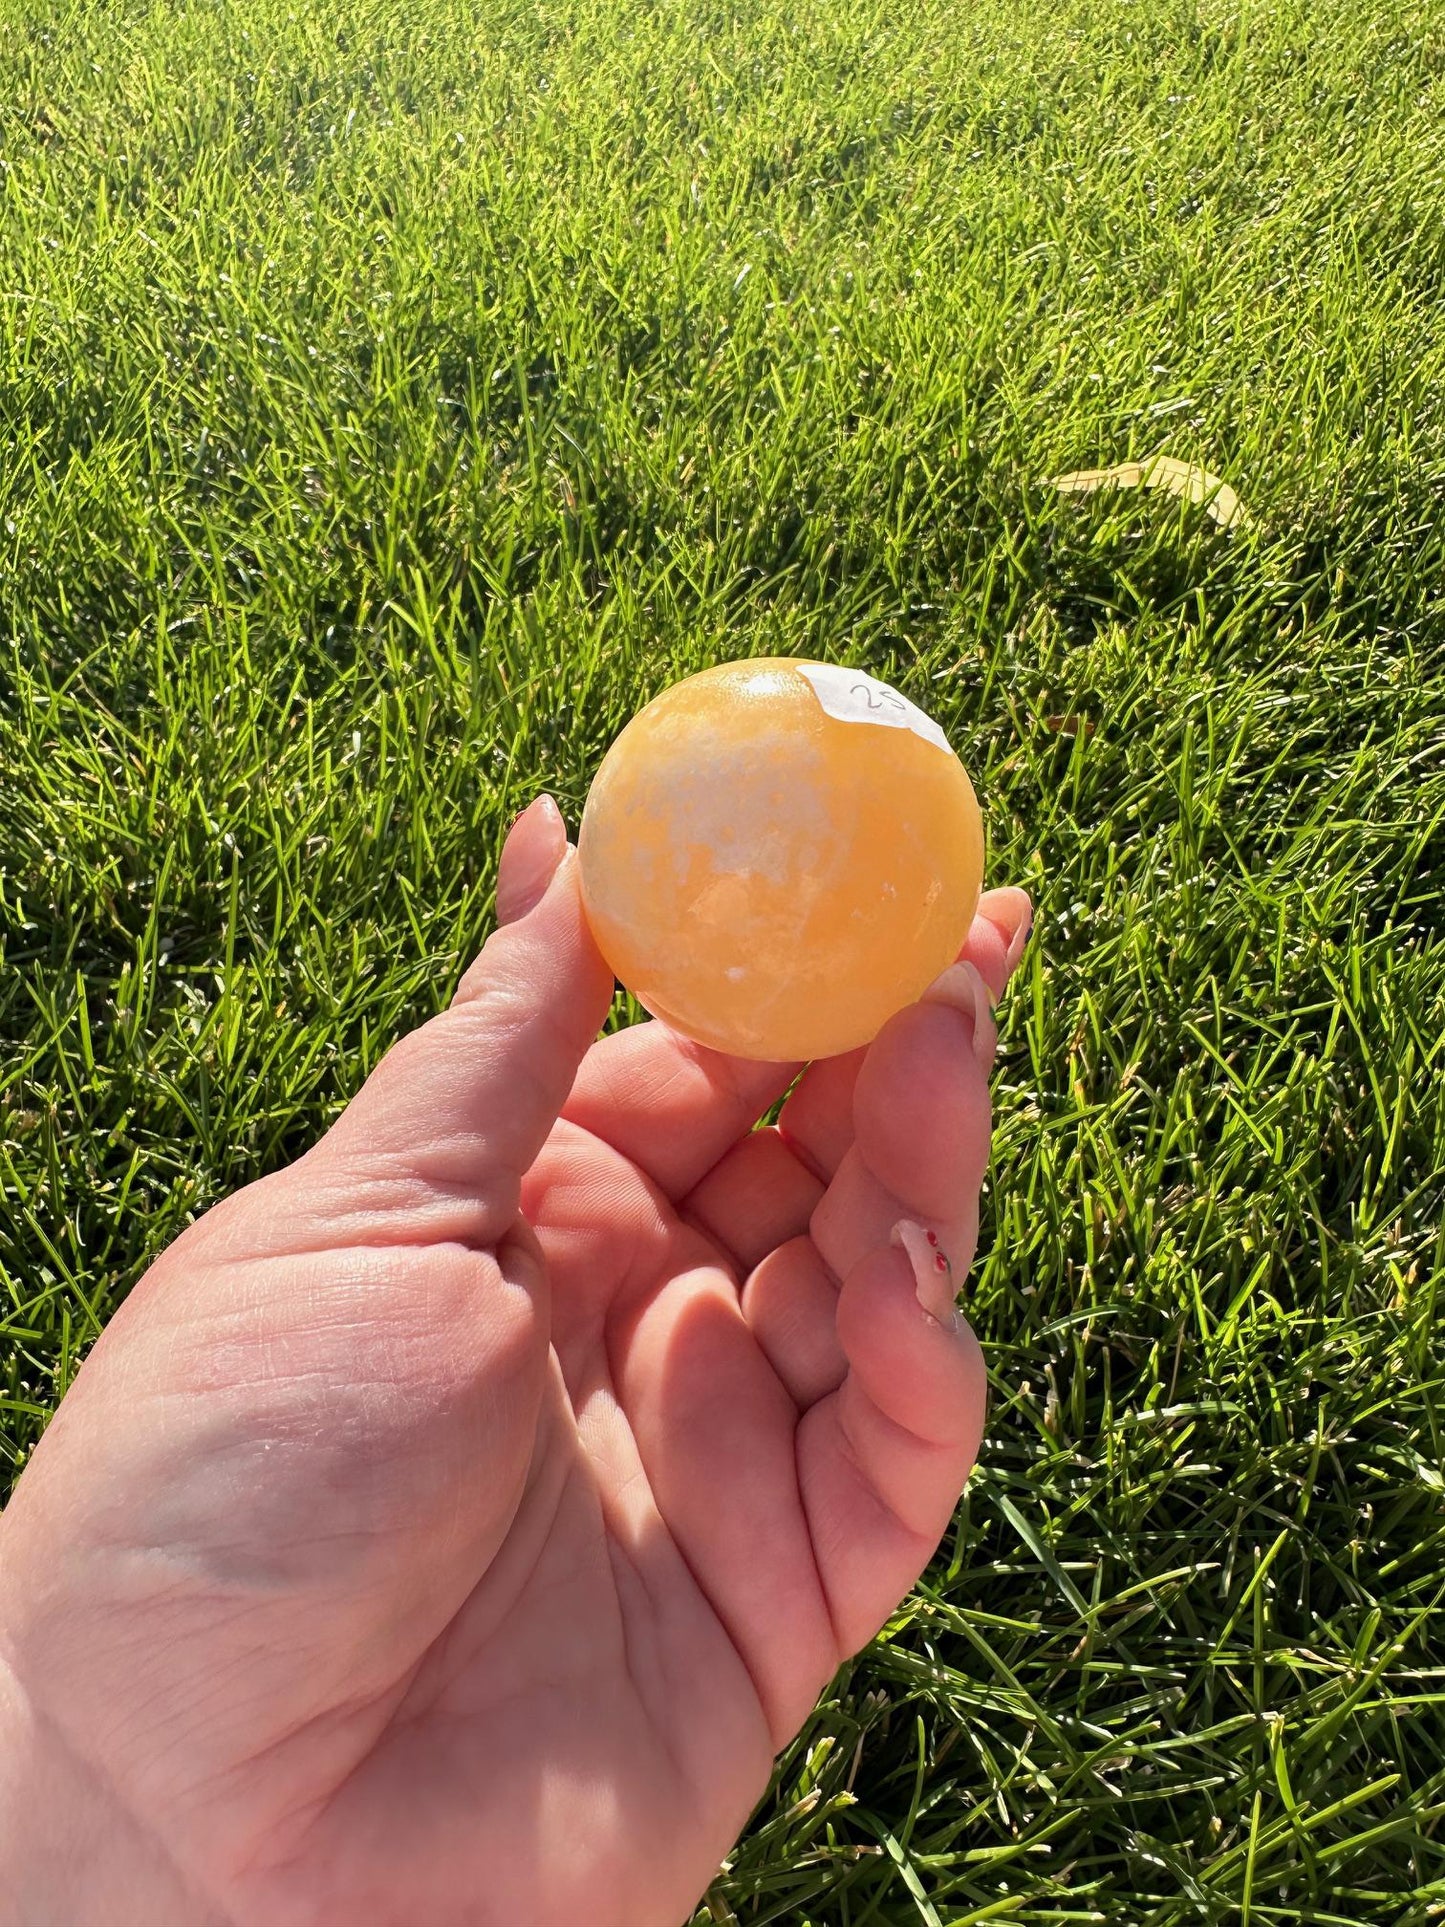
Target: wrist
[{"x": 69, "y": 1851}]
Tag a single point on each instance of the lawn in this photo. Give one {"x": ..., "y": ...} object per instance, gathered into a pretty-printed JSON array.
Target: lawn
[{"x": 395, "y": 393}]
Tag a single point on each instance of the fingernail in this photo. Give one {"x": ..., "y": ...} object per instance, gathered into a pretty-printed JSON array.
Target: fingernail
[
  {"x": 535, "y": 846},
  {"x": 932, "y": 1273},
  {"x": 1020, "y": 936},
  {"x": 962, "y": 988}
]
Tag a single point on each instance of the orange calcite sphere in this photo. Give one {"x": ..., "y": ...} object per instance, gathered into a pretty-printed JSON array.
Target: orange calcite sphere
[{"x": 778, "y": 854}]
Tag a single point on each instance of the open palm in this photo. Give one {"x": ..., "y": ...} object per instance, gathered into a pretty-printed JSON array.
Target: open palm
[{"x": 451, "y": 1527}]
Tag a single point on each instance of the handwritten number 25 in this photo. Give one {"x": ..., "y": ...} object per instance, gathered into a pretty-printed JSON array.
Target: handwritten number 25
[{"x": 877, "y": 698}]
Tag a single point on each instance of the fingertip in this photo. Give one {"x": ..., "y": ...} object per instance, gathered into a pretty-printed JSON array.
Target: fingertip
[
  {"x": 531, "y": 856},
  {"x": 542, "y": 951},
  {"x": 921, "y": 1109},
  {"x": 962, "y": 987},
  {"x": 925, "y": 1376},
  {"x": 883, "y": 1459},
  {"x": 999, "y": 934}
]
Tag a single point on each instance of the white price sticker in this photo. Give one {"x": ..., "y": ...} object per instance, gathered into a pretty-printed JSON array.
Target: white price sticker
[{"x": 853, "y": 696}]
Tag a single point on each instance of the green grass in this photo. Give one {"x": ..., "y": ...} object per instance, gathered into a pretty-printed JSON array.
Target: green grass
[{"x": 394, "y": 395}]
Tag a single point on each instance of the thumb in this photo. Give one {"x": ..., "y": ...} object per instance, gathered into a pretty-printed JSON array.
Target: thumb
[{"x": 452, "y": 1118}]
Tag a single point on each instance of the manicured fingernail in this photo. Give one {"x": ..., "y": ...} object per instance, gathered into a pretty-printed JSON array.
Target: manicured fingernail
[
  {"x": 535, "y": 846},
  {"x": 932, "y": 1273},
  {"x": 962, "y": 987}
]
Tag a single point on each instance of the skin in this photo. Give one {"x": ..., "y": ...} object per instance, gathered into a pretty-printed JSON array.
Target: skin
[{"x": 452, "y": 1526}]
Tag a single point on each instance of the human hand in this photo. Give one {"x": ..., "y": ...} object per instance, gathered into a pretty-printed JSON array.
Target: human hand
[{"x": 452, "y": 1526}]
